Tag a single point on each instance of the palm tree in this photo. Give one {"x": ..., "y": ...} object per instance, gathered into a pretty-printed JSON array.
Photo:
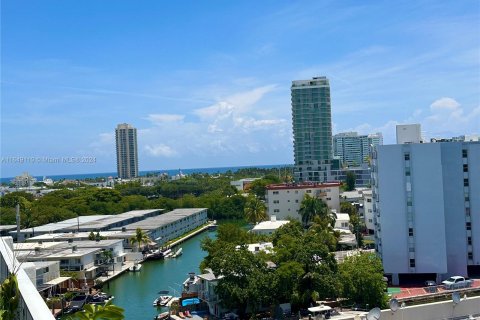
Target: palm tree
[
  {"x": 140, "y": 238},
  {"x": 97, "y": 312},
  {"x": 255, "y": 210},
  {"x": 313, "y": 206}
]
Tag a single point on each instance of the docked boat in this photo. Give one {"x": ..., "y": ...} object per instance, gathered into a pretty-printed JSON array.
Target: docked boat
[
  {"x": 136, "y": 267},
  {"x": 162, "y": 301},
  {"x": 100, "y": 298},
  {"x": 163, "y": 316},
  {"x": 167, "y": 253},
  {"x": 178, "y": 253}
]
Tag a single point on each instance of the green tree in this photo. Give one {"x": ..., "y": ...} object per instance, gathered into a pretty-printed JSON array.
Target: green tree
[
  {"x": 245, "y": 282},
  {"x": 98, "y": 312},
  {"x": 362, "y": 280},
  {"x": 313, "y": 206},
  {"x": 140, "y": 238},
  {"x": 9, "y": 297},
  {"x": 91, "y": 236},
  {"x": 350, "y": 181},
  {"x": 255, "y": 210}
]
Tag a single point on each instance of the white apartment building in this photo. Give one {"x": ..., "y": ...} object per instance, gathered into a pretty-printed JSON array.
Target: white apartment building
[
  {"x": 284, "y": 200},
  {"x": 367, "y": 202},
  {"x": 242, "y": 184},
  {"x": 353, "y": 149},
  {"x": 268, "y": 227},
  {"x": 427, "y": 209}
]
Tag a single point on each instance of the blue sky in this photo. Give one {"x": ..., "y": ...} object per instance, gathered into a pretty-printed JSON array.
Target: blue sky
[{"x": 207, "y": 83}]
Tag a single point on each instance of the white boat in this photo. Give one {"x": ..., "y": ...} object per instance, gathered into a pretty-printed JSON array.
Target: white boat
[
  {"x": 162, "y": 301},
  {"x": 167, "y": 252},
  {"x": 136, "y": 267},
  {"x": 163, "y": 316},
  {"x": 178, "y": 253}
]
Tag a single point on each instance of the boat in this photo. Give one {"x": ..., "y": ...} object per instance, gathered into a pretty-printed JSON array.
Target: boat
[
  {"x": 166, "y": 253},
  {"x": 162, "y": 301},
  {"x": 178, "y": 253},
  {"x": 162, "y": 316},
  {"x": 136, "y": 267},
  {"x": 100, "y": 298}
]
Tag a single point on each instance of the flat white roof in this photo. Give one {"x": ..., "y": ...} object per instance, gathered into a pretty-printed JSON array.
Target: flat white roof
[
  {"x": 270, "y": 225},
  {"x": 52, "y": 227},
  {"x": 65, "y": 236},
  {"x": 343, "y": 217},
  {"x": 161, "y": 220}
]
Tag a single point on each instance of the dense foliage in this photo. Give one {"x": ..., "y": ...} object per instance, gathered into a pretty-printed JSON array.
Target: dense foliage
[
  {"x": 197, "y": 190},
  {"x": 306, "y": 269}
]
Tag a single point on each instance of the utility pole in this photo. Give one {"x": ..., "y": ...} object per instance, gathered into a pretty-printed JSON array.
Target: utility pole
[{"x": 17, "y": 209}]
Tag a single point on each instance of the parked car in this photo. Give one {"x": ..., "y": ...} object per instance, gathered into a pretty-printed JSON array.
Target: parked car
[{"x": 457, "y": 282}]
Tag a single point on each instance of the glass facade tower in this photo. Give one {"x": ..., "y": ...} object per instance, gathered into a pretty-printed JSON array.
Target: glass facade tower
[
  {"x": 127, "y": 155},
  {"x": 312, "y": 127}
]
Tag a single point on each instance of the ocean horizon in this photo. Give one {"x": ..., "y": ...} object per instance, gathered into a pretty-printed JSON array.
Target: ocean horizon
[{"x": 170, "y": 172}]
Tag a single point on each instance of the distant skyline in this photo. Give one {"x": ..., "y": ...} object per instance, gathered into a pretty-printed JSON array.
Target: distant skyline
[{"x": 207, "y": 84}]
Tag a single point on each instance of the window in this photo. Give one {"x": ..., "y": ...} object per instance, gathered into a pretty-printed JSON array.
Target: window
[
  {"x": 407, "y": 171},
  {"x": 329, "y": 199},
  {"x": 465, "y": 182},
  {"x": 470, "y": 255},
  {"x": 410, "y": 232},
  {"x": 412, "y": 263},
  {"x": 467, "y": 211},
  {"x": 407, "y": 156},
  {"x": 276, "y": 201},
  {"x": 370, "y": 220},
  {"x": 296, "y": 201},
  {"x": 276, "y": 210},
  {"x": 369, "y": 200},
  {"x": 275, "y": 192},
  {"x": 411, "y": 249},
  {"x": 469, "y": 241},
  {"x": 309, "y": 191},
  {"x": 464, "y": 153},
  {"x": 465, "y": 168},
  {"x": 469, "y": 225}
]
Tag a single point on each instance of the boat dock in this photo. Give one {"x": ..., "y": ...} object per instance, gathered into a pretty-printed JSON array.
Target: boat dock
[{"x": 192, "y": 234}]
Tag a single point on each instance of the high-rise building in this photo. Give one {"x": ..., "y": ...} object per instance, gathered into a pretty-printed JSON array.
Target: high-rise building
[
  {"x": 353, "y": 149},
  {"x": 427, "y": 208},
  {"x": 312, "y": 128},
  {"x": 409, "y": 133},
  {"x": 127, "y": 155}
]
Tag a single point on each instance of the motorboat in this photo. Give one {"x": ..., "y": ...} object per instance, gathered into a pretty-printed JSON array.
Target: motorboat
[
  {"x": 178, "y": 253},
  {"x": 136, "y": 267},
  {"x": 99, "y": 298},
  {"x": 167, "y": 253},
  {"x": 162, "y": 316},
  {"x": 162, "y": 301}
]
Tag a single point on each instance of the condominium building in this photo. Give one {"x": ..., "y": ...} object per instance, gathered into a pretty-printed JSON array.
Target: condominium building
[
  {"x": 353, "y": 149},
  {"x": 127, "y": 155},
  {"x": 312, "y": 127},
  {"x": 284, "y": 200},
  {"x": 427, "y": 209}
]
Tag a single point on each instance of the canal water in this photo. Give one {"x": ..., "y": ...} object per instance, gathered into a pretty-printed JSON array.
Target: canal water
[{"x": 135, "y": 291}]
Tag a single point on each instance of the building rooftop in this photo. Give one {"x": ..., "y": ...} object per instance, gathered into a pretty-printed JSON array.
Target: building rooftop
[
  {"x": 163, "y": 219},
  {"x": 270, "y": 225},
  {"x": 69, "y": 253},
  {"x": 304, "y": 185},
  {"x": 30, "y": 246},
  {"x": 111, "y": 220},
  {"x": 65, "y": 236},
  {"x": 343, "y": 217},
  {"x": 8, "y": 227},
  {"x": 52, "y": 227}
]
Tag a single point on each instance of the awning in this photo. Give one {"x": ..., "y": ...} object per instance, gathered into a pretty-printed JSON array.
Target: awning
[
  {"x": 91, "y": 269},
  {"x": 319, "y": 308},
  {"x": 58, "y": 280},
  {"x": 187, "y": 302}
]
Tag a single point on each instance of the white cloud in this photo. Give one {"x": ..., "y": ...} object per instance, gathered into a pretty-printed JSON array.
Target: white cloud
[
  {"x": 444, "y": 104},
  {"x": 160, "y": 150}
]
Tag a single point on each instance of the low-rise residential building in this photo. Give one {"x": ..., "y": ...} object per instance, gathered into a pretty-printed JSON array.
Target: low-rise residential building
[
  {"x": 6, "y": 229},
  {"x": 243, "y": 184},
  {"x": 206, "y": 292},
  {"x": 268, "y": 227},
  {"x": 342, "y": 221},
  {"x": 284, "y": 200},
  {"x": 88, "y": 223},
  {"x": 170, "y": 225}
]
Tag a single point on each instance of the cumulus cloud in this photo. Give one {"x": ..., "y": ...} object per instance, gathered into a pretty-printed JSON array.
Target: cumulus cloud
[
  {"x": 444, "y": 103},
  {"x": 160, "y": 150},
  {"x": 444, "y": 118}
]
